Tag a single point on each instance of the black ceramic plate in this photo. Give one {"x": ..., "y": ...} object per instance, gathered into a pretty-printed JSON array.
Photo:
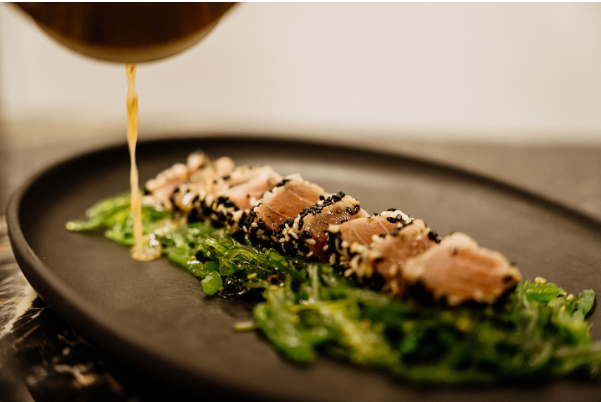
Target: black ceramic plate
[{"x": 155, "y": 314}]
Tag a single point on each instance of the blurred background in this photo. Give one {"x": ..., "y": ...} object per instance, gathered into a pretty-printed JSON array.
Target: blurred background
[
  {"x": 467, "y": 72},
  {"x": 509, "y": 90}
]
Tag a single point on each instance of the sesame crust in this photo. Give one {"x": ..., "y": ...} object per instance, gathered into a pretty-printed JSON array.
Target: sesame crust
[
  {"x": 342, "y": 251},
  {"x": 307, "y": 234}
]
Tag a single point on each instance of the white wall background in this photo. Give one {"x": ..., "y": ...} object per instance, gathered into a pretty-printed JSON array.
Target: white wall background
[{"x": 476, "y": 72}]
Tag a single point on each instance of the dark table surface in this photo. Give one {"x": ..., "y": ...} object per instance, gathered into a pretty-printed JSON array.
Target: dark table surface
[{"x": 43, "y": 359}]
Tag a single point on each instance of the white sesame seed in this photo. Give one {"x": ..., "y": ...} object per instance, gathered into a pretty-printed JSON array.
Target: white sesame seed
[
  {"x": 334, "y": 228},
  {"x": 374, "y": 255}
]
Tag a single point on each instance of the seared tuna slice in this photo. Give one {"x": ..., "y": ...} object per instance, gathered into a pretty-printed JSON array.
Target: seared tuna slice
[
  {"x": 189, "y": 196},
  {"x": 384, "y": 261},
  {"x": 219, "y": 168},
  {"x": 307, "y": 234},
  {"x": 166, "y": 182},
  {"x": 352, "y": 237},
  {"x": 284, "y": 202},
  {"x": 458, "y": 271},
  {"x": 230, "y": 202}
]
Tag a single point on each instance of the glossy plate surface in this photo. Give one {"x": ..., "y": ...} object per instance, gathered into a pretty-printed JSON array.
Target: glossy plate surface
[{"x": 156, "y": 316}]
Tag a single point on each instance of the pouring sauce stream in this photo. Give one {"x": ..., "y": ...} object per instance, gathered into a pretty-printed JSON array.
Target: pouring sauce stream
[{"x": 139, "y": 251}]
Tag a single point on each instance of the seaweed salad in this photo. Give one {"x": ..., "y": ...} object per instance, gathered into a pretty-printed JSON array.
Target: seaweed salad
[{"x": 535, "y": 331}]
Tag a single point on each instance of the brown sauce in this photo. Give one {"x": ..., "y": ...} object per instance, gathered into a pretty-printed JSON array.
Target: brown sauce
[{"x": 139, "y": 251}]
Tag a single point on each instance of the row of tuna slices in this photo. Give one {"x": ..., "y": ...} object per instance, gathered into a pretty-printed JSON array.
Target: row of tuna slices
[
  {"x": 216, "y": 192},
  {"x": 411, "y": 260},
  {"x": 390, "y": 251}
]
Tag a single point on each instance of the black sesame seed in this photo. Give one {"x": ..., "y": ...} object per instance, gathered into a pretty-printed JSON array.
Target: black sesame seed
[{"x": 432, "y": 235}]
